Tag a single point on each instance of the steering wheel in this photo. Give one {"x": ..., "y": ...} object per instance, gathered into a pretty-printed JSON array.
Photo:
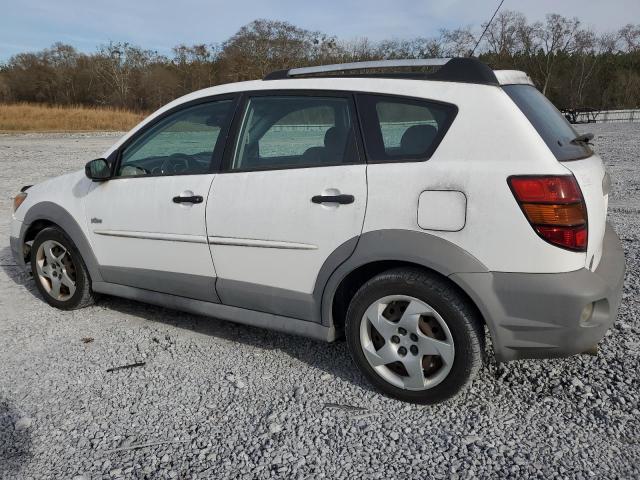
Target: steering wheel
[{"x": 172, "y": 161}]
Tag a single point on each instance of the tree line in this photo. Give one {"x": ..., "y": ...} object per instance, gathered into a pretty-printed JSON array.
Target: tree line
[{"x": 574, "y": 66}]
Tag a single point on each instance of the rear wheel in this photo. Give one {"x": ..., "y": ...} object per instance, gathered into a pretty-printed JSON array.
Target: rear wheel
[
  {"x": 414, "y": 336},
  {"x": 59, "y": 271}
]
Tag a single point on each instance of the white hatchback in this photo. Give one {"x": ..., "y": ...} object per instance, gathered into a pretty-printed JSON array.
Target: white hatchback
[{"x": 407, "y": 211}]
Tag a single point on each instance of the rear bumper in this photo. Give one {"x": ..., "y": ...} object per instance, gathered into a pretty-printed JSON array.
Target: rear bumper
[{"x": 538, "y": 315}]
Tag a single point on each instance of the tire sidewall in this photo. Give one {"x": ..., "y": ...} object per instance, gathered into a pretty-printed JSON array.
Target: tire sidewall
[
  {"x": 81, "y": 276},
  {"x": 447, "y": 306}
]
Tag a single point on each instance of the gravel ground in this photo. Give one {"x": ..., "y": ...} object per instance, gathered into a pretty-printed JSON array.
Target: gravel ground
[{"x": 218, "y": 400}]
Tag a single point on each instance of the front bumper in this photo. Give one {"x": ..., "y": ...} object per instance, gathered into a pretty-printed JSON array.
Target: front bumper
[
  {"x": 16, "y": 250},
  {"x": 538, "y": 315},
  {"x": 16, "y": 241}
]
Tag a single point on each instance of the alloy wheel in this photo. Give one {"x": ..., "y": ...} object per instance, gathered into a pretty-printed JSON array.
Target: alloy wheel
[{"x": 56, "y": 270}]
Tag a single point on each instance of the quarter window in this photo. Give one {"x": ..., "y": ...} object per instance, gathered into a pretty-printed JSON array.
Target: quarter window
[
  {"x": 295, "y": 131},
  {"x": 184, "y": 143},
  {"x": 399, "y": 129}
]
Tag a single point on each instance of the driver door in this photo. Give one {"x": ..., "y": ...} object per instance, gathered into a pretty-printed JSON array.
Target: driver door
[{"x": 147, "y": 223}]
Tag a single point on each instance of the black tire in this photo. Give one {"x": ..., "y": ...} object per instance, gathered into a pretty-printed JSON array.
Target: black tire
[
  {"x": 83, "y": 295},
  {"x": 460, "y": 316}
]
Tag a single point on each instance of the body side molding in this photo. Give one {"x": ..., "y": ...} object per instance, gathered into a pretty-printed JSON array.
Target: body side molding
[
  {"x": 253, "y": 242},
  {"x": 169, "y": 237}
]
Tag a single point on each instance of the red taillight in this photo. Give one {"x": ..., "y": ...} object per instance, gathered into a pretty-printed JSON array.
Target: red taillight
[
  {"x": 554, "y": 207},
  {"x": 561, "y": 189},
  {"x": 569, "y": 237}
]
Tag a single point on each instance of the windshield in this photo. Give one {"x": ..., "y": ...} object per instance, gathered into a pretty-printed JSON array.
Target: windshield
[{"x": 549, "y": 123}]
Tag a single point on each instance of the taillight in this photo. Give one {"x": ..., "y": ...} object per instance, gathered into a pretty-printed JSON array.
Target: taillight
[{"x": 554, "y": 207}]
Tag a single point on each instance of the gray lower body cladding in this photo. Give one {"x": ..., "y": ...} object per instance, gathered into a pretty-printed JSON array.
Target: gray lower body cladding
[
  {"x": 224, "y": 312},
  {"x": 529, "y": 315},
  {"x": 197, "y": 287},
  {"x": 538, "y": 315},
  {"x": 17, "y": 252}
]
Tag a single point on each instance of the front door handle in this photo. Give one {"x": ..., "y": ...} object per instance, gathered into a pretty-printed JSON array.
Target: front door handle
[
  {"x": 343, "y": 199},
  {"x": 191, "y": 199}
]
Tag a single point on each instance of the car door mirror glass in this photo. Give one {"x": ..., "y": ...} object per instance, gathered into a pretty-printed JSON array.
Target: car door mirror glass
[{"x": 98, "y": 170}]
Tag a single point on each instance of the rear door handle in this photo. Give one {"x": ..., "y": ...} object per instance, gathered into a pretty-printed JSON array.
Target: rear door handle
[
  {"x": 191, "y": 199},
  {"x": 343, "y": 199}
]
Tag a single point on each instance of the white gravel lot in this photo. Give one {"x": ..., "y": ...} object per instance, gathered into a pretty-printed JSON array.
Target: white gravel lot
[{"x": 218, "y": 400}]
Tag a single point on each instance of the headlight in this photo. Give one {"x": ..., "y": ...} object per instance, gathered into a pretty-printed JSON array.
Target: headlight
[{"x": 18, "y": 199}]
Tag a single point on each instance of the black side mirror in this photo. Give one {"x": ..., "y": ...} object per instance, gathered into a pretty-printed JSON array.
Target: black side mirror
[{"x": 98, "y": 170}]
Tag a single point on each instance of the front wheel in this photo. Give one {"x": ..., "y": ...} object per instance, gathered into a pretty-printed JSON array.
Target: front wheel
[
  {"x": 59, "y": 271},
  {"x": 414, "y": 336}
]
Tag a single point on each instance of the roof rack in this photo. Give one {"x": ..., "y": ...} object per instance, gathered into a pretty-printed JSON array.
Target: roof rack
[{"x": 466, "y": 70}]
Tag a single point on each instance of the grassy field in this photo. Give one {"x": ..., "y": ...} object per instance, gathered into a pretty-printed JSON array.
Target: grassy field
[{"x": 25, "y": 117}]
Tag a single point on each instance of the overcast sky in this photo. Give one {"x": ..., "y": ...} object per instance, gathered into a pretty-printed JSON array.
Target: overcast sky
[{"x": 27, "y": 25}]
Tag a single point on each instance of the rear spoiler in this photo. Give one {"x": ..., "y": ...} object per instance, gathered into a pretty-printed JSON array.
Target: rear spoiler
[{"x": 512, "y": 77}]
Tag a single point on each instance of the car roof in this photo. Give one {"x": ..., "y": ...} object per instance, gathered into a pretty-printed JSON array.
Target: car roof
[
  {"x": 344, "y": 83},
  {"x": 376, "y": 75}
]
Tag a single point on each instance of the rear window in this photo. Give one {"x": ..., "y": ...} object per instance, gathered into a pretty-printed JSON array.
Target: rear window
[
  {"x": 550, "y": 124},
  {"x": 402, "y": 129}
]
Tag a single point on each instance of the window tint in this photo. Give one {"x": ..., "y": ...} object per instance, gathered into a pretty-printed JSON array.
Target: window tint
[
  {"x": 290, "y": 131},
  {"x": 397, "y": 129},
  {"x": 181, "y": 144},
  {"x": 554, "y": 129}
]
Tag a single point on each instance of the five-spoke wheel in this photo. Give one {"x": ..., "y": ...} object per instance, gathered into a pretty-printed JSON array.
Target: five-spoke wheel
[
  {"x": 59, "y": 270},
  {"x": 56, "y": 271},
  {"x": 414, "y": 335}
]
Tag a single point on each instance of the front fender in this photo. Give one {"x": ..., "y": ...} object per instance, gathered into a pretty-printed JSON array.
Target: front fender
[{"x": 54, "y": 213}]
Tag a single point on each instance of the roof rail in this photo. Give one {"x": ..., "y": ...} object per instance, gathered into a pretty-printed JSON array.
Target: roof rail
[{"x": 466, "y": 70}]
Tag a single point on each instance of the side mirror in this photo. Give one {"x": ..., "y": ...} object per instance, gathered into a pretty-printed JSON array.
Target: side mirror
[{"x": 97, "y": 170}]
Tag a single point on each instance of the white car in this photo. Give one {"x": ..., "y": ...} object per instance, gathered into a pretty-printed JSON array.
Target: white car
[{"x": 405, "y": 211}]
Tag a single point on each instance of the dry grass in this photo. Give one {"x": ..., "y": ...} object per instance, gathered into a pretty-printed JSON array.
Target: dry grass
[{"x": 29, "y": 117}]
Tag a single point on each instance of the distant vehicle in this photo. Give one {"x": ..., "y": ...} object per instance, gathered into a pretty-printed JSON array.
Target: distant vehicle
[{"x": 405, "y": 211}]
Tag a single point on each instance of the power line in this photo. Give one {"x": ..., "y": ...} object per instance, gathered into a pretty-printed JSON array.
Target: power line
[{"x": 485, "y": 29}]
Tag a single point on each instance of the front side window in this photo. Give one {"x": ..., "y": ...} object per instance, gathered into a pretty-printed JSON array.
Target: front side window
[
  {"x": 295, "y": 131},
  {"x": 183, "y": 143},
  {"x": 400, "y": 129}
]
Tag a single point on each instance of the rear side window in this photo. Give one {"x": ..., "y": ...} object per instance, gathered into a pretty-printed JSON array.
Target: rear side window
[
  {"x": 403, "y": 129},
  {"x": 295, "y": 131},
  {"x": 554, "y": 129}
]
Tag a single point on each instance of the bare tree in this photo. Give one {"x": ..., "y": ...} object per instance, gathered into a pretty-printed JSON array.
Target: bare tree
[
  {"x": 555, "y": 37},
  {"x": 359, "y": 49},
  {"x": 629, "y": 39},
  {"x": 117, "y": 65},
  {"x": 504, "y": 36},
  {"x": 572, "y": 66},
  {"x": 266, "y": 45},
  {"x": 413, "y": 48},
  {"x": 458, "y": 42},
  {"x": 195, "y": 65},
  {"x": 629, "y": 36}
]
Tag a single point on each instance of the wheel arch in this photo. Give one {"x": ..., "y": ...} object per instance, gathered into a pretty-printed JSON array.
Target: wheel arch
[
  {"x": 48, "y": 214},
  {"x": 383, "y": 250}
]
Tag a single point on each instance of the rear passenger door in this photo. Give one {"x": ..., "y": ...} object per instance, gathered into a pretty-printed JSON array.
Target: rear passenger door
[{"x": 292, "y": 191}]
